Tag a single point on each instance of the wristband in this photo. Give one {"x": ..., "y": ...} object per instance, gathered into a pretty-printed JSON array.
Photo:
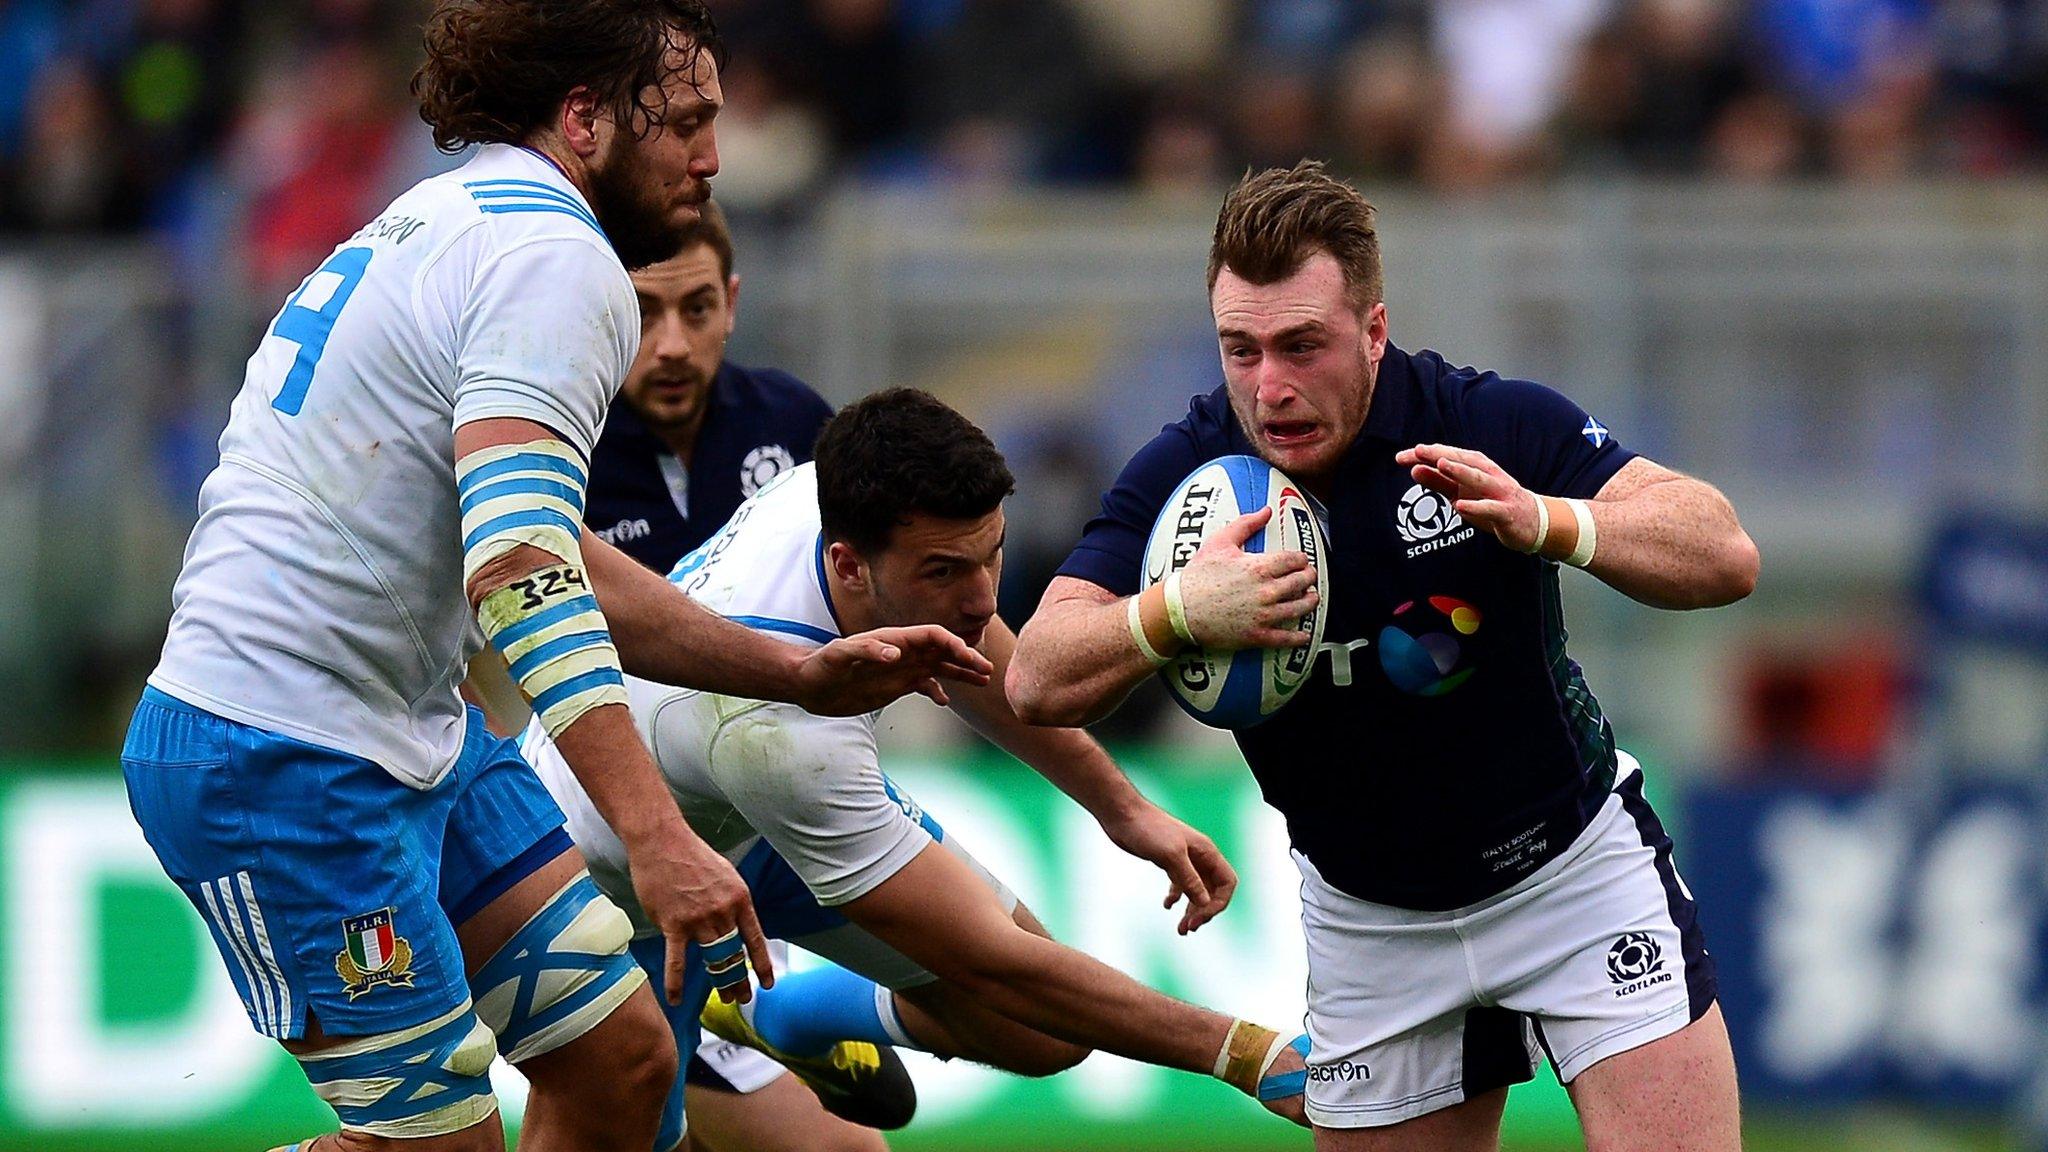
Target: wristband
[
  {"x": 1542, "y": 525},
  {"x": 1248, "y": 1050},
  {"x": 1588, "y": 535},
  {"x": 1136, "y": 616},
  {"x": 1177, "y": 610}
]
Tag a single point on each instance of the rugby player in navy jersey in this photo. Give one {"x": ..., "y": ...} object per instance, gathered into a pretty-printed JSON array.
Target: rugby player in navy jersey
[
  {"x": 693, "y": 434},
  {"x": 1482, "y": 882}
]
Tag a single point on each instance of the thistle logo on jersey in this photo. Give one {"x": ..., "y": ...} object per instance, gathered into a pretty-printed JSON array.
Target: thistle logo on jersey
[
  {"x": 762, "y": 465},
  {"x": 374, "y": 954},
  {"x": 1238, "y": 689},
  {"x": 1635, "y": 962},
  {"x": 1425, "y": 518}
]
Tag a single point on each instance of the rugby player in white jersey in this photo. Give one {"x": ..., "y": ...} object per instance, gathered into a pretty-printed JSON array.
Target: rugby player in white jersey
[
  {"x": 899, "y": 521},
  {"x": 400, "y": 481}
]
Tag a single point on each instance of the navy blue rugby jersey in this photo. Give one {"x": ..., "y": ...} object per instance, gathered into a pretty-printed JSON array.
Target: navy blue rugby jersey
[
  {"x": 1445, "y": 746},
  {"x": 760, "y": 422}
]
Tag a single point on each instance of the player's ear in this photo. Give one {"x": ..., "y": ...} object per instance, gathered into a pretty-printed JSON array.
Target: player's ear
[
  {"x": 847, "y": 567},
  {"x": 1373, "y": 335},
  {"x": 732, "y": 301},
  {"x": 581, "y": 112}
]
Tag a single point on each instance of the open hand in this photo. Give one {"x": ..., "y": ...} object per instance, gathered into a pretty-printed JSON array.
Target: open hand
[
  {"x": 861, "y": 673},
  {"x": 1194, "y": 866}
]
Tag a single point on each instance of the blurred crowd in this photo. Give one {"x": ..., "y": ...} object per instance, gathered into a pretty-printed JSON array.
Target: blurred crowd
[{"x": 190, "y": 117}]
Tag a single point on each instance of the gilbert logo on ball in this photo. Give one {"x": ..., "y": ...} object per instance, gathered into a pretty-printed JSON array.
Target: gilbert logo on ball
[{"x": 1238, "y": 689}]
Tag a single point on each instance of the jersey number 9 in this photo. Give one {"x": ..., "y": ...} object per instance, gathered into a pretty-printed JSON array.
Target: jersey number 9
[{"x": 308, "y": 319}]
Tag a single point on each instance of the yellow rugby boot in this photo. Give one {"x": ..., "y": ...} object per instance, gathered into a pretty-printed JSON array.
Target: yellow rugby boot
[{"x": 858, "y": 1082}]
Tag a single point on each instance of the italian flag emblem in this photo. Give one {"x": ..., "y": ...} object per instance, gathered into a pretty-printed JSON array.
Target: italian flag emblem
[{"x": 373, "y": 953}]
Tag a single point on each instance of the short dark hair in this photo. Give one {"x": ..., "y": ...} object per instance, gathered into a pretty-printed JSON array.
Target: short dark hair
[
  {"x": 899, "y": 452},
  {"x": 711, "y": 231},
  {"x": 496, "y": 70},
  {"x": 1273, "y": 221}
]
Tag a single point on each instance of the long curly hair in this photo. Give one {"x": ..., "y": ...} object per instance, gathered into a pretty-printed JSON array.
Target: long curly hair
[{"x": 498, "y": 69}]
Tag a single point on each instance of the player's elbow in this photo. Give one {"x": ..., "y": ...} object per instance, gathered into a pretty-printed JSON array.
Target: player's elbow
[
  {"x": 1042, "y": 700},
  {"x": 1728, "y": 574},
  {"x": 1733, "y": 575},
  {"x": 1743, "y": 565}
]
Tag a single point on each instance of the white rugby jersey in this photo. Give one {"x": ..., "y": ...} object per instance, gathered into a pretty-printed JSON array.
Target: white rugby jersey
[
  {"x": 321, "y": 595},
  {"x": 743, "y": 769}
]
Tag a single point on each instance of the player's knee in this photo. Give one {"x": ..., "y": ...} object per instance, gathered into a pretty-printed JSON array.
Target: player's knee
[
  {"x": 561, "y": 975},
  {"x": 650, "y": 1064}
]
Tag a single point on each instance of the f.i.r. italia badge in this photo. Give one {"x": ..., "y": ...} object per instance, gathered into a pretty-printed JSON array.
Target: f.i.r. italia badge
[{"x": 375, "y": 954}]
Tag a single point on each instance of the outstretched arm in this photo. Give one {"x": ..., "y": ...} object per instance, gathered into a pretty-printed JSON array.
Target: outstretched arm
[
  {"x": 1659, "y": 537},
  {"x": 665, "y": 636},
  {"x": 1083, "y": 769},
  {"x": 936, "y": 911}
]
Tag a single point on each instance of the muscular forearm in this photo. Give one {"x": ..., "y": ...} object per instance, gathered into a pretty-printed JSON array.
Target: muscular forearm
[
  {"x": 616, "y": 770},
  {"x": 1673, "y": 543},
  {"x": 1068, "y": 757},
  {"x": 665, "y": 636},
  {"x": 1075, "y": 660}
]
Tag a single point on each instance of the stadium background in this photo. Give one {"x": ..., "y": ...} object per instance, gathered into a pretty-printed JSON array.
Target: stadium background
[{"x": 1797, "y": 247}]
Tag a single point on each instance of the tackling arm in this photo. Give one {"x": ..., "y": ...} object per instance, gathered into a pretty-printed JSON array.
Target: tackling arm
[
  {"x": 665, "y": 636},
  {"x": 1083, "y": 769},
  {"x": 936, "y": 911}
]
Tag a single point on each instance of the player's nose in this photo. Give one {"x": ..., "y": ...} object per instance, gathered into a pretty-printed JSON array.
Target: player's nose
[
  {"x": 704, "y": 162},
  {"x": 1274, "y": 383},
  {"x": 669, "y": 338}
]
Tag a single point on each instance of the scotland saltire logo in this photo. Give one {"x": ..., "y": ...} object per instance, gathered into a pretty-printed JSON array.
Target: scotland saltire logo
[
  {"x": 1595, "y": 432},
  {"x": 373, "y": 954}
]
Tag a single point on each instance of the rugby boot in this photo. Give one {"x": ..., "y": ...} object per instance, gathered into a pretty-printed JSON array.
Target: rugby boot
[{"x": 858, "y": 1082}]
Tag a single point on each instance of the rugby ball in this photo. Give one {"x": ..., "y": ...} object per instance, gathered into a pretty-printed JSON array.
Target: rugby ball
[{"x": 1238, "y": 689}]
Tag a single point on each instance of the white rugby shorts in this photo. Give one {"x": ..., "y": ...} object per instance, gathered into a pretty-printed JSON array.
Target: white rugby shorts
[{"x": 1597, "y": 952}]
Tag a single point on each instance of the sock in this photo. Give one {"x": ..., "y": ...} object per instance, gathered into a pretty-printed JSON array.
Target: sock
[{"x": 808, "y": 1012}]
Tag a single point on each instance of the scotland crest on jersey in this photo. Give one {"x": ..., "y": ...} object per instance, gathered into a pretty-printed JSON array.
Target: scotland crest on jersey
[{"x": 374, "y": 954}]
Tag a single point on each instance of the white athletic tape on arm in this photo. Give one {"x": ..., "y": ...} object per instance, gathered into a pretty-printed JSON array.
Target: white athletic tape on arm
[
  {"x": 515, "y": 494},
  {"x": 1542, "y": 525},
  {"x": 546, "y": 622},
  {"x": 1177, "y": 610},
  {"x": 1248, "y": 1050},
  {"x": 1136, "y": 616},
  {"x": 1588, "y": 535},
  {"x": 556, "y": 643}
]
